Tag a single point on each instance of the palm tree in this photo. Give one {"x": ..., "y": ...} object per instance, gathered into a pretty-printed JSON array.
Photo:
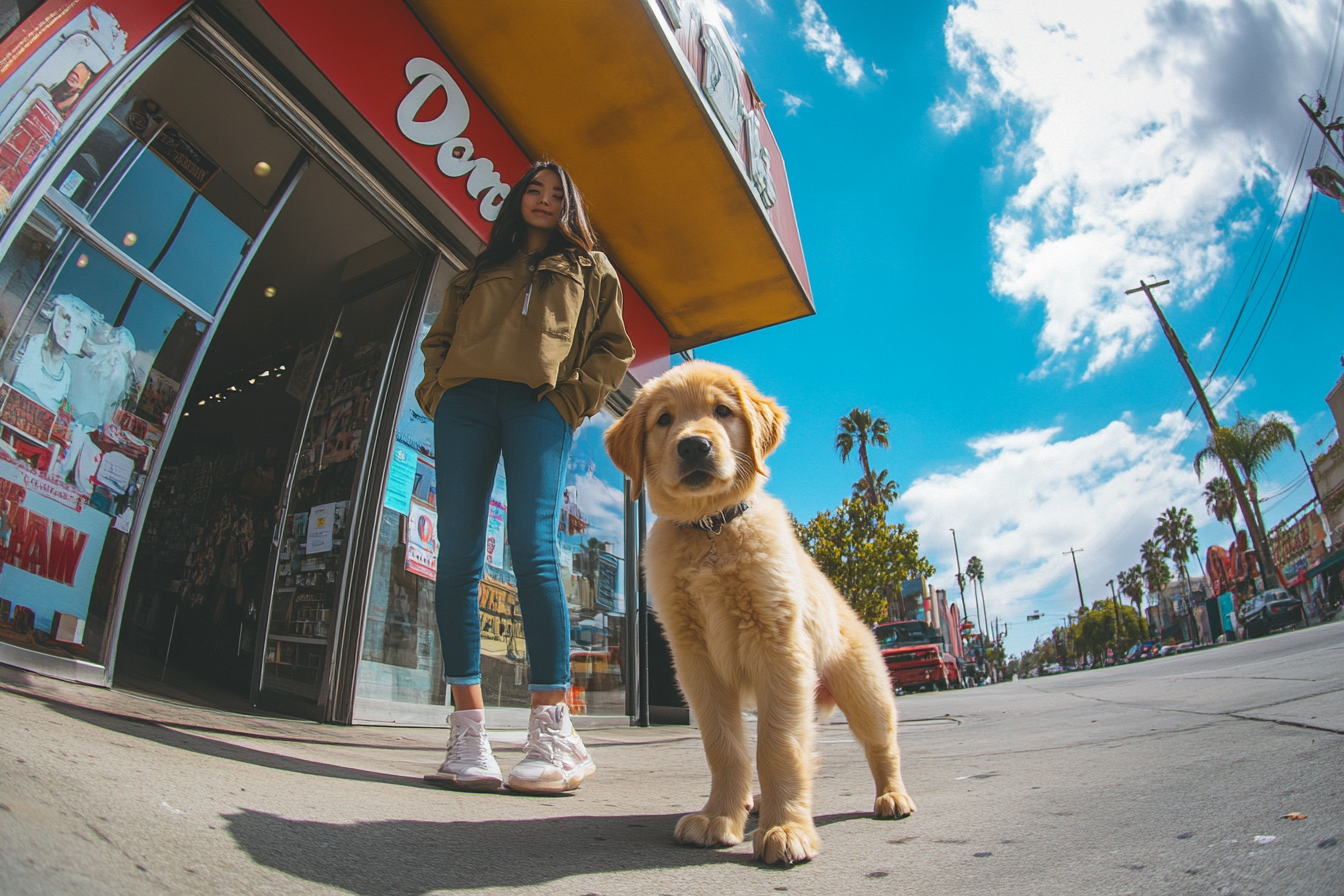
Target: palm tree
[
  {"x": 885, "y": 489},
  {"x": 859, "y": 429},
  {"x": 975, "y": 571},
  {"x": 1176, "y": 530},
  {"x": 1243, "y": 449},
  {"x": 1156, "y": 573},
  {"x": 1131, "y": 586},
  {"x": 1221, "y": 502}
]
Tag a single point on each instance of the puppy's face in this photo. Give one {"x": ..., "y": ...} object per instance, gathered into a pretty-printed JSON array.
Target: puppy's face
[{"x": 698, "y": 437}]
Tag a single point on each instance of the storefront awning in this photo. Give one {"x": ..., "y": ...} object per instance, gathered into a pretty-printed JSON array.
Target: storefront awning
[
  {"x": 605, "y": 89},
  {"x": 1327, "y": 564}
]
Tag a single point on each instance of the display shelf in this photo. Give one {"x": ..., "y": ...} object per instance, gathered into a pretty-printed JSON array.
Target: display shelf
[{"x": 299, "y": 639}]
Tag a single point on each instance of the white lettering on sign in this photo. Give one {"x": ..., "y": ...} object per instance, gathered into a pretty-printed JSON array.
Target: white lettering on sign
[{"x": 455, "y": 151}]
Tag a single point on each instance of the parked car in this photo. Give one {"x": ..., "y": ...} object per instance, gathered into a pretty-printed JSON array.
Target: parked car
[
  {"x": 1141, "y": 651},
  {"x": 1270, "y": 611}
]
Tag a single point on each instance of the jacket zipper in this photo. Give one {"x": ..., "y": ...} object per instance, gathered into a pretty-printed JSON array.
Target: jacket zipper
[{"x": 527, "y": 299}]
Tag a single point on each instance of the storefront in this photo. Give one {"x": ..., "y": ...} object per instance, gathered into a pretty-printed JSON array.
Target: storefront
[{"x": 226, "y": 228}]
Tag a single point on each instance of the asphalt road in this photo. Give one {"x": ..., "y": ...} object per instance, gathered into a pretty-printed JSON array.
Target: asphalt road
[{"x": 1170, "y": 776}]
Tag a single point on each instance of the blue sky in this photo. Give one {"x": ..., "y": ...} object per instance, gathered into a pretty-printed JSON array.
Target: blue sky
[{"x": 976, "y": 186}]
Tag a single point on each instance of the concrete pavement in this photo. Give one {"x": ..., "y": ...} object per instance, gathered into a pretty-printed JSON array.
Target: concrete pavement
[{"x": 1169, "y": 776}]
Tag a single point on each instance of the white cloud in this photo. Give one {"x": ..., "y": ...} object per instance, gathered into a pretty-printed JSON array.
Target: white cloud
[
  {"x": 604, "y": 507},
  {"x": 1222, "y": 393},
  {"x": 1208, "y": 338},
  {"x": 1283, "y": 417},
  {"x": 791, "y": 102},
  {"x": 1031, "y": 496},
  {"x": 819, "y": 36},
  {"x": 879, "y": 73},
  {"x": 1138, "y": 127},
  {"x": 951, "y": 115}
]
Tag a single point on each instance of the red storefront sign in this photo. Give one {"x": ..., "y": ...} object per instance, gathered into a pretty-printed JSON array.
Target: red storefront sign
[{"x": 389, "y": 68}]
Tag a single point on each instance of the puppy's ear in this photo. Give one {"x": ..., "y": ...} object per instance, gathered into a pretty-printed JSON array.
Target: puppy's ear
[
  {"x": 765, "y": 421},
  {"x": 625, "y": 443}
]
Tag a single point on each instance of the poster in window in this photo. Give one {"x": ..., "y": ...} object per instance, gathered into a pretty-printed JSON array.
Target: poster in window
[
  {"x": 48, "y": 559},
  {"x": 321, "y": 523},
  {"x": 422, "y": 542},
  {"x": 49, "y": 85},
  {"x": 400, "y": 479}
]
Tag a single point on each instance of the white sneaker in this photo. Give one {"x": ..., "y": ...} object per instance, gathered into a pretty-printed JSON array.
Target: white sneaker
[
  {"x": 556, "y": 758},
  {"x": 470, "y": 764}
]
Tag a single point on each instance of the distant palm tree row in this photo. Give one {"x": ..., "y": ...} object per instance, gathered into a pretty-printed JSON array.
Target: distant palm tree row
[{"x": 1244, "y": 449}]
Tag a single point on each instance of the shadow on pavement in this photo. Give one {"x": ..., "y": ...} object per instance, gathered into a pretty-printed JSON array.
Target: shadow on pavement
[
  {"x": 206, "y": 746},
  {"x": 409, "y": 858}
]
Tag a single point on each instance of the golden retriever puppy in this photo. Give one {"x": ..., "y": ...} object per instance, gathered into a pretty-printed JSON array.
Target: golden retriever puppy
[{"x": 750, "y": 618}]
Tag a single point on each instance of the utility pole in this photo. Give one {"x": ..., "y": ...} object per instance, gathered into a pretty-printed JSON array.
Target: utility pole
[
  {"x": 1233, "y": 477},
  {"x": 960, "y": 584},
  {"x": 1115, "y": 605},
  {"x": 1323, "y": 128},
  {"x": 1311, "y": 474},
  {"x": 1078, "y": 579}
]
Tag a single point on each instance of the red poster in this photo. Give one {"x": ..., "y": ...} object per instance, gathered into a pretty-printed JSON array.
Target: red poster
[{"x": 51, "y": 61}]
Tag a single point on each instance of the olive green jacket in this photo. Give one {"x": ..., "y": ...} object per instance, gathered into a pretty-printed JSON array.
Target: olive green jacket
[{"x": 565, "y": 339}]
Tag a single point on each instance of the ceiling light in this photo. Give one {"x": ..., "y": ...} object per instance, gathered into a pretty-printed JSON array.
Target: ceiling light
[
  {"x": 269, "y": 292},
  {"x": 261, "y": 169},
  {"x": 202, "y": 401},
  {"x": 81, "y": 261},
  {"x": 251, "y": 381},
  {"x": 129, "y": 240}
]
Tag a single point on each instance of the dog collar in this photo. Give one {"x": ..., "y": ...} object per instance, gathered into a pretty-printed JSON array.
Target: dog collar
[{"x": 715, "y": 522}]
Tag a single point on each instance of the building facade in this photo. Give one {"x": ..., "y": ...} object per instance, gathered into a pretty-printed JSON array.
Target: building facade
[{"x": 226, "y": 228}]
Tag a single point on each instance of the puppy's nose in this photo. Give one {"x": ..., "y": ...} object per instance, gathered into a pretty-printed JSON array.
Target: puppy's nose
[{"x": 693, "y": 448}]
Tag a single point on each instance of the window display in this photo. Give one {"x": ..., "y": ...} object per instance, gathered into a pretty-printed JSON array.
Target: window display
[{"x": 93, "y": 358}]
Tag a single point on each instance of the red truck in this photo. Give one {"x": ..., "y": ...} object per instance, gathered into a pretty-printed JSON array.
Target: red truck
[{"x": 915, "y": 658}]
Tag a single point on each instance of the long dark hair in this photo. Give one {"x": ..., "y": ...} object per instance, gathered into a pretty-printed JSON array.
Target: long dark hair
[{"x": 572, "y": 237}]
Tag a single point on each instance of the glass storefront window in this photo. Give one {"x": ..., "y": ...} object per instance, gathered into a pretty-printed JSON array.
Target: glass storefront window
[
  {"x": 149, "y": 189},
  {"x": 83, "y": 399},
  {"x": 400, "y": 673},
  {"x": 401, "y": 669},
  {"x": 592, "y": 546},
  {"x": 93, "y": 360}
]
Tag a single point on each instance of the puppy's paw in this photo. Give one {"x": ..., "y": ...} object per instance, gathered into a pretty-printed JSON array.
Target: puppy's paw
[
  {"x": 708, "y": 830},
  {"x": 786, "y": 844},
  {"x": 896, "y": 804}
]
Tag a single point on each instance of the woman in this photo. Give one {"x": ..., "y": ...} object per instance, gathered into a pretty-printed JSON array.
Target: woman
[{"x": 530, "y": 342}]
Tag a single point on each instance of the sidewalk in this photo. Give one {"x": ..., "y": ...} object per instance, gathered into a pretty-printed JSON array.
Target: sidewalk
[{"x": 1172, "y": 776}]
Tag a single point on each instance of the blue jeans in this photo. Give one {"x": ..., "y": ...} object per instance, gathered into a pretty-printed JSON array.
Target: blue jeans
[{"x": 473, "y": 423}]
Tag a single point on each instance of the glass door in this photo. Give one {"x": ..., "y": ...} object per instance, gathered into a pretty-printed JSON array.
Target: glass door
[{"x": 312, "y": 582}]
